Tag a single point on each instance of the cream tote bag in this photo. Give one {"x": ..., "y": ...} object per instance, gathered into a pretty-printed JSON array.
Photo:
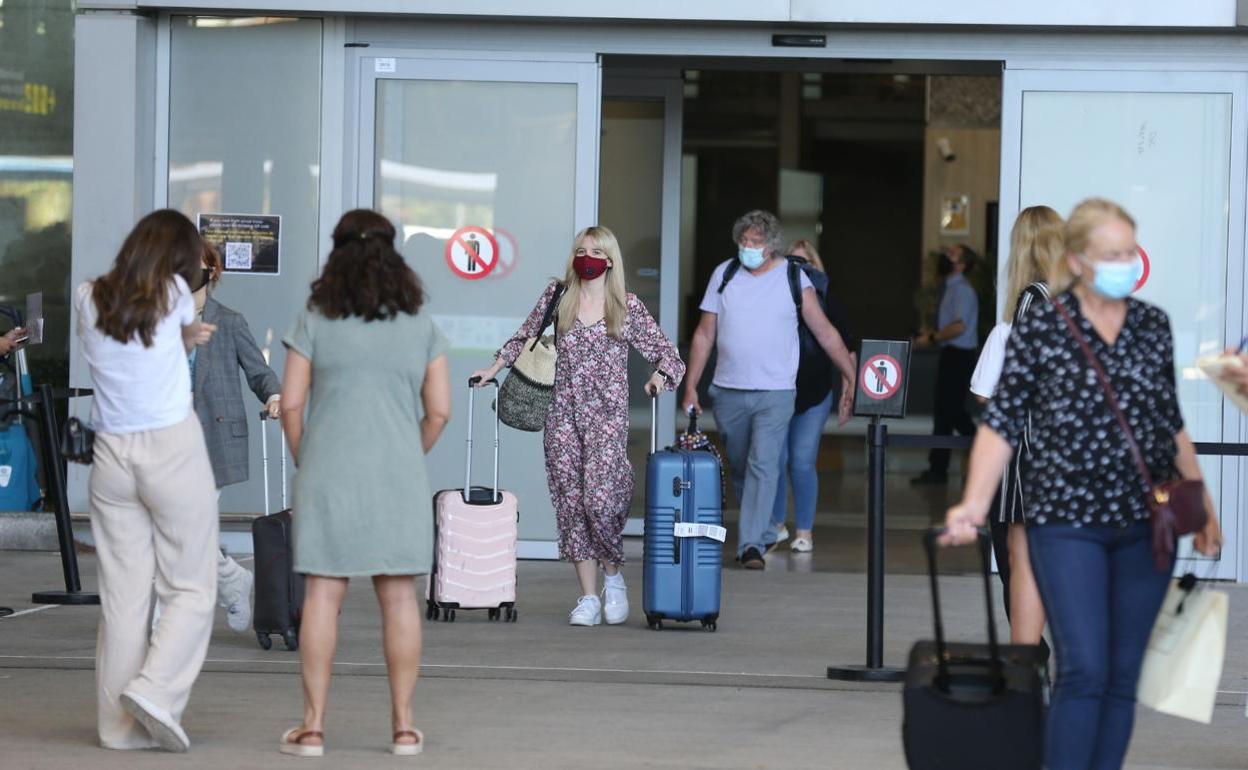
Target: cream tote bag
[{"x": 1183, "y": 662}]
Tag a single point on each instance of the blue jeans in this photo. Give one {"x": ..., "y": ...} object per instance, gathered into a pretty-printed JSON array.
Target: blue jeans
[
  {"x": 753, "y": 424},
  {"x": 797, "y": 464},
  {"x": 1102, "y": 594}
]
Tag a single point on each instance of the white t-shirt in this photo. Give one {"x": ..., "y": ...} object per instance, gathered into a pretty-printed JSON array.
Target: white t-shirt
[
  {"x": 138, "y": 388},
  {"x": 756, "y": 335},
  {"x": 991, "y": 360}
]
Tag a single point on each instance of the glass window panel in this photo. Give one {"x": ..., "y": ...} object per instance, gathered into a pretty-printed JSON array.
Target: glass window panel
[
  {"x": 1166, "y": 158},
  {"x": 500, "y": 156},
  {"x": 244, "y": 137}
]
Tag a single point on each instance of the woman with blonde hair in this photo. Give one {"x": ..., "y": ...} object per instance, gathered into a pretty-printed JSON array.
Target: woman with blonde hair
[
  {"x": 1036, "y": 245},
  {"x": 1091, "y": 544},
  {"x": 586, "y": 441}
]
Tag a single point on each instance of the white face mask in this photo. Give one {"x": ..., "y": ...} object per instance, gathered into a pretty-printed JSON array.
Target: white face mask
[
  {"x": 1115, "y": 280},
  {"x": 751, "y": 258}
]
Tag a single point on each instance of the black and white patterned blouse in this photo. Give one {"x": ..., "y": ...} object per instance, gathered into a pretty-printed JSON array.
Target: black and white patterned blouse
[{"x": 1080, "y": 471}]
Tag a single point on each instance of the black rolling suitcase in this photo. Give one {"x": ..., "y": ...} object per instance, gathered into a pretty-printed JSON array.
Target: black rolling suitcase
[
  {"x": 972, "y": 706},
  {"x": 279, "y": 589}
]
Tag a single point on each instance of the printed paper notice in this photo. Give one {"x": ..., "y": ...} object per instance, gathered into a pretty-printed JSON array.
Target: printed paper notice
[{"x": 247, "y": 243}]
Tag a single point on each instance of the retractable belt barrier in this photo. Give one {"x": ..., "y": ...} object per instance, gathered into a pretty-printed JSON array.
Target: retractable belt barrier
[
  {"x": 878, "y": 441},
  {"x": 38, "y": 407}
]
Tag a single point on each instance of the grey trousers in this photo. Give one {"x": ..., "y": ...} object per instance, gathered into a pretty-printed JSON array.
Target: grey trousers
[{"x": 754, "y": 425}]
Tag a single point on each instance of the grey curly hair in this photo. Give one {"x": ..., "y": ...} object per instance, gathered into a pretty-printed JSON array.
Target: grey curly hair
[{"x": 766, "y": 223}]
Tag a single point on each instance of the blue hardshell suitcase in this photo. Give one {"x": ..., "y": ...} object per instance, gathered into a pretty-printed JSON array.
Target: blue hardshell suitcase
[{"x": 681, "y": 575}]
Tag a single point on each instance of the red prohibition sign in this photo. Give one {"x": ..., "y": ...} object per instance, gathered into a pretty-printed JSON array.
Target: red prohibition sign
[
  {"x": 470, "y": 252},
  {"x": 881, "y": 377},
  {"x": 1148, "y": 268}
]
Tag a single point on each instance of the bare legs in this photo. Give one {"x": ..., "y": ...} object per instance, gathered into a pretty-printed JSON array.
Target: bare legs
[
  {"x": 400, "y": 628},
  {"x": 318, "y": 641},
  {"x": 1026, "y": 609},
  {"x": 587, "y": 575}
]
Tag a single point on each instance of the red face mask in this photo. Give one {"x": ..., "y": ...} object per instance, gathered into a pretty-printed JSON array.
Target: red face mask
[{"x": 589, "y": 268}]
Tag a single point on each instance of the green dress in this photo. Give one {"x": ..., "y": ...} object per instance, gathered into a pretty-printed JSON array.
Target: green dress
[{"x": 362, "y": 501}]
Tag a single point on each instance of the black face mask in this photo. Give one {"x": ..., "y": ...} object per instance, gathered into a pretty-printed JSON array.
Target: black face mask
[
  {"x": 944, "y": 266},
  {"x": 202, "y": 279}
]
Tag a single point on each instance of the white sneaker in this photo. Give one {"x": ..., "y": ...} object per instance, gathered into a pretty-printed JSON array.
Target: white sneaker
[
  {"x": 587, "y": 612},
  {"x": 159, "y": 723},
  {"x": 615, "y": 603},
  {"x": 802, "y": 545},
  {"x": 238, "y": 605},
  {"x": 782, "y": 534}
]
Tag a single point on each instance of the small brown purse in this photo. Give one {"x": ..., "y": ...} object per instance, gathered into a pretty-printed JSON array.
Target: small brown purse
[{"x": 1177, "y": 507}]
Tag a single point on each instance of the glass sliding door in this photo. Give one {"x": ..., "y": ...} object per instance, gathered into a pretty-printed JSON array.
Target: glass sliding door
[
  {"x": 498, "y": 158},
  {"x": 1161, "y": 145}
]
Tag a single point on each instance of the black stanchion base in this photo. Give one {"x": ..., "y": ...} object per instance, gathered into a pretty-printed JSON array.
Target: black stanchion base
[
  {"x": 65, "y": 597},
  {"x": 5, "y": 612},
  {"x": 866, "y": 674}
]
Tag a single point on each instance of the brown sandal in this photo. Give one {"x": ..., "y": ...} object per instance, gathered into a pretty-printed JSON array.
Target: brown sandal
[
  {"x": 407, "y": 749},
  {"x": 292, "y": 743}
]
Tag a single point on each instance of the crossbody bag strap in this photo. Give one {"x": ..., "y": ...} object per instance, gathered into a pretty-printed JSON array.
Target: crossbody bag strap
[
  {"x": 550, "y": 311},
  {"x": 1109, "y": 392}
]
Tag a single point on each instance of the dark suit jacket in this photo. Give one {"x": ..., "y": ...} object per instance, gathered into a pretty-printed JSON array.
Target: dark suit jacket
[{"x": 218, "y": 395}]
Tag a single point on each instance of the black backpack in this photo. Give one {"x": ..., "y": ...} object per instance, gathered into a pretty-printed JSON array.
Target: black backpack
[{"x": 816, "y": 374}]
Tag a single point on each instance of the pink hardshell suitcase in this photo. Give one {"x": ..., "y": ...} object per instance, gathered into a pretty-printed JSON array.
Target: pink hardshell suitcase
[{"x": 475, "y": 531}]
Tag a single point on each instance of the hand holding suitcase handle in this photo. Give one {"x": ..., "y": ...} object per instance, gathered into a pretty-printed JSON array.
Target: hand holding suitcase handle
[{"x": 983, "y": 541}]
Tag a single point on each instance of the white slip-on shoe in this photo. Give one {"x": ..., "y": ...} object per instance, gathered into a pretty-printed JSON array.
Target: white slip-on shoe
[
  {"x": 238, "y": 608},
  {"x": 158, "y": 722},
  {"x": 615, "y": 603},
  {"x": 802, "y": 545},
  {"x": 587, "y": 612}
]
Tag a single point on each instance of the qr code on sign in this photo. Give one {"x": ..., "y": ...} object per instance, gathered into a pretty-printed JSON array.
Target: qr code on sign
[{"x": 237, "y": 256}]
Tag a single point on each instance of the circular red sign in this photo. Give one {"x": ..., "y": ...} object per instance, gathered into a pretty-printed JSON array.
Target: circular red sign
[
  {"x": 1148, "y": 268},
  {"x": 471, "y": 252},
  {"x": 881, "y": 377}
]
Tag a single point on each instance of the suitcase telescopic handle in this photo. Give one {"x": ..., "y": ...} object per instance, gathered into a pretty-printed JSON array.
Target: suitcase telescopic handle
[
  {"x": 472, "y": 393},
  {"x": 264, "y": 457},
  {"x": 983, "y": 543}
]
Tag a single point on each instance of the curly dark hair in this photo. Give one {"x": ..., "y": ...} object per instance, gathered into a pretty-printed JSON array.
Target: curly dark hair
[
  {"x": 365, "y": 276},
  {"x": 132, "y": 298}
]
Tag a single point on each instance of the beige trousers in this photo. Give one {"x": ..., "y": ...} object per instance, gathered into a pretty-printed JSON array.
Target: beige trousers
[{"x": 154, "y": 517}]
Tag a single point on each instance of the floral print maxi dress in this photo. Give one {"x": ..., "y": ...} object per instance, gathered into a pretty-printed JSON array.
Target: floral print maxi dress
[{"x": 586, "y": 441}]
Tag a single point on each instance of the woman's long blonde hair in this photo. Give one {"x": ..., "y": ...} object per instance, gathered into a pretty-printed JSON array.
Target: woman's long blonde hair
[
  {"x": 812, "y": 254},
  {"x": 616, "y": 304},
  {"x": 1037, "y": 243},
  {"x": 1087, "y": 216}
]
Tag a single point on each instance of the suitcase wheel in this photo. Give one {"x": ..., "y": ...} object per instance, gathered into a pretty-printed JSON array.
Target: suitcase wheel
[
  {"x": 513, "y": 614},
  {"x": 431, "y": 613},
  {"x": 709, "y": 625},
  {"x": 494, "y": 613},
  {"x": 264, "y": 640},
  {"x": 291, "y": 638},
  {"x": 654, "y": 622},
  {"x": 448, "y": 616}
]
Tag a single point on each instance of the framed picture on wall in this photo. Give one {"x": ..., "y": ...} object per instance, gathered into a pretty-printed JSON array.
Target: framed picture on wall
[{"x": 955, "y": 215}]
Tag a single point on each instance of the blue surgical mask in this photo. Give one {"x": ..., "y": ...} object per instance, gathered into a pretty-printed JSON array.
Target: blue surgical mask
[
  {"x": 1115, "y": 280},
  {"x": 751, "y": 258}
]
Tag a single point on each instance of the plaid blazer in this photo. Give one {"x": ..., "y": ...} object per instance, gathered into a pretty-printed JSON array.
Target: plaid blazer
[{"x": 219, "y": 396}]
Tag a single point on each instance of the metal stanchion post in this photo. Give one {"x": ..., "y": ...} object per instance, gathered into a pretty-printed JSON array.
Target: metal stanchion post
[
  {"x": 874, "y": 671},
  {"x": 55, "y": 477}
]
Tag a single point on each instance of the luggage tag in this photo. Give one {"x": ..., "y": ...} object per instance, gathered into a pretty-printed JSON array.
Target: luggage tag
[{"x": 691, "y": 529}]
